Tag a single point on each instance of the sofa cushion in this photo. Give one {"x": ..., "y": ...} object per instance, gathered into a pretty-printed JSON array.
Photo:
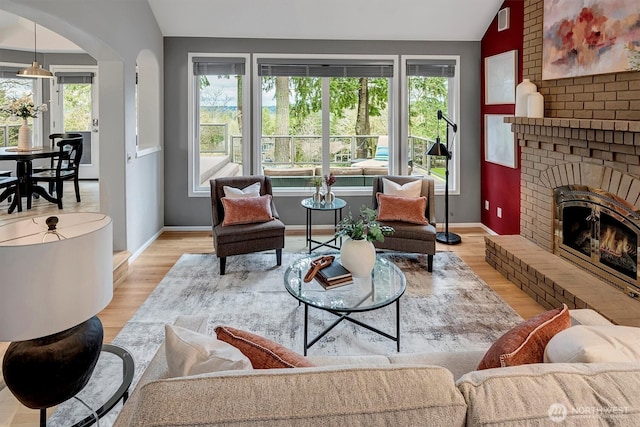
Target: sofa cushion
[
  {"x": 405, "y": 209},
  {"x": 190, "y": 353},
  {"x": 247, "y": 210},
  {"x": 409, "y": 189},
  {"x": 328, "y": 396},
  {"x": 589, "y": 344},
  {"x": 458, "y": 362},
  {"x": 262, "y": 352},
  {"x": 252, "y": 190},
  {"x": 526, "y": 342},
  {"x": 549, "y": 394}
]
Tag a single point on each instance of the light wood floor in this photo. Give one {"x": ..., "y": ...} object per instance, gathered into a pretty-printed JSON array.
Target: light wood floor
[{"x": 151, "y": 266}]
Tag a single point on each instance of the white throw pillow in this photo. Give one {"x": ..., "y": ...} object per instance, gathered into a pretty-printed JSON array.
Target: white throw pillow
[
  {"x": 593, "y": 344},
  {"x": 190, "y": 353},
  {"x": 410, "y": 189},
  {"x": 252, "y": 190}
]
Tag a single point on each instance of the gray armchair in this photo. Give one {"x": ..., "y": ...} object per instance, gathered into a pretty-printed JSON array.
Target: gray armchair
[
  {"x": 411, "y": 237},
  {"x": 244, "y": 238}
]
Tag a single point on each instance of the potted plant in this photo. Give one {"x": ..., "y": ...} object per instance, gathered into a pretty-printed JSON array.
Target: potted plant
[{"x": 357, "y": 254}]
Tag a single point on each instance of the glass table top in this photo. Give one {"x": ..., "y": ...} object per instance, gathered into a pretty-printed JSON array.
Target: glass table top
[
  {"x": 322, "y": 206},
  {"x": 385, "y": 285}
]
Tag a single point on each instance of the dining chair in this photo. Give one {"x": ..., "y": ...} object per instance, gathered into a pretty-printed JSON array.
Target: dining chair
[
  {"x": 54, "y": 138},
  {"x": 67, "y": 163},
  {"x": 11, "y": 189}
]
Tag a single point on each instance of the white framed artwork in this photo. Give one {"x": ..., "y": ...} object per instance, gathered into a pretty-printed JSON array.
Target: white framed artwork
[
  {"x": 500, "y": 78},
  {"x": 499, "y": 141}
]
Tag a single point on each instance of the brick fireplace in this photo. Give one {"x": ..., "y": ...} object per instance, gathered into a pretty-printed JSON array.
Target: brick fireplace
[
  {"x": 589, "y": 137},
  {"x": 558, "y": 152},
  {"x": 601, "y": 155}
]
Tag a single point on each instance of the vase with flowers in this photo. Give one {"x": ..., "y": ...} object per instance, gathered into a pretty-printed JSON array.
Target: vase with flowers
[
  {"x": 316, "y": 181},
  {"x": 23, "y": 108},
  {"x": 329, "y": 180},
  {"x": 357, "y": 254}
]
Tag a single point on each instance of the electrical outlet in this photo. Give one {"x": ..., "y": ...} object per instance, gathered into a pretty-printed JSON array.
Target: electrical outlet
[
  {"x": 486, "y": 205},
  {"x": 499, "y": 212}
]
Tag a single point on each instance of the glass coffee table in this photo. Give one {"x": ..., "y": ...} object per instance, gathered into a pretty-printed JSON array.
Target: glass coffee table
[{"x": 385, "y": 286}]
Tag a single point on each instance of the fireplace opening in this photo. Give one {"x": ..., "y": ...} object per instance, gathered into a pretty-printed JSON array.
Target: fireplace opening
[
  {"x": 618, "y": 246},
  {"x": 600, "y": 233}
]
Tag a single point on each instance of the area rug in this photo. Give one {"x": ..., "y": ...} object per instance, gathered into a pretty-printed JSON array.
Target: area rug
[{"x": 450, "y": 309}]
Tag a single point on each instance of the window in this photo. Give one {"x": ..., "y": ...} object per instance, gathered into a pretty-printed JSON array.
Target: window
[
  {"x": 430, "y": 85},
  {"x": 355, "y": 116},
  {"x": 324, "y": 115},
  {"x": 219, "y": 92},
  {"x": 13, "y": 87}
]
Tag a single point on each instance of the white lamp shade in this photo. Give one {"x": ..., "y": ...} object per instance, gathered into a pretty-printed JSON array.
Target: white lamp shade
[{"x": 48, "y": 284}]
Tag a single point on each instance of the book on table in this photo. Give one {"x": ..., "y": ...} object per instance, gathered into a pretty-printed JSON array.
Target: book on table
[{"x": 334, "y": 275}]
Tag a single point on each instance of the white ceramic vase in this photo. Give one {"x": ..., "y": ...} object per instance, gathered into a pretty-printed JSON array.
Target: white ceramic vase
[
  {"x": 24, "y": 136},
  {"x": 329, "y": 197},
  {"x": 317, "y": 196},
  {"x": 535, "y": 105},
  {"x": 358, "y": 256},
  {"x": 522, "y": 95}
]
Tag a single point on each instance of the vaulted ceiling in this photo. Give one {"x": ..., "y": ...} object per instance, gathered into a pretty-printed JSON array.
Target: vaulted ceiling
[{"x": 450, "y": 20}]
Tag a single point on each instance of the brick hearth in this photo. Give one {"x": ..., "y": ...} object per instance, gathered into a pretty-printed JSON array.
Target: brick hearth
[{"x": 551, "y": 281}]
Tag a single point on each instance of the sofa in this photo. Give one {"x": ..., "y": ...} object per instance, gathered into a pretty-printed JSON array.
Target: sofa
[{"x": 425, "y": 389}]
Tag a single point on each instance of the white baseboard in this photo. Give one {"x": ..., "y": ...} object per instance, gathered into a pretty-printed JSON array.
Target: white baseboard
[
  {"x": 187, "y": 228},
  {"x": 142, "y": 248}
]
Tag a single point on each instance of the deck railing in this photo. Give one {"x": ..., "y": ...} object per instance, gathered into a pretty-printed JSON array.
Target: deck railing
[{"x": 307, "y": 149}]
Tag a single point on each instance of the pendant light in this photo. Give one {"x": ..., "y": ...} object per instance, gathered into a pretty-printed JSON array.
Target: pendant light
[{"x": 35, "y": 71}]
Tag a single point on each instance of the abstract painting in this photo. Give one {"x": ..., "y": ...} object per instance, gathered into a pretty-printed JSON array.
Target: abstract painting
[
  {"x": 500, "y": 78},
  {"x": 499, "y": 141},
  {"x": 587, "y": 37}
]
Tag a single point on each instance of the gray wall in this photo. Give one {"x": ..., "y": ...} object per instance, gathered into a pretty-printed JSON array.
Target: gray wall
[{"x": 181, "y": 210}]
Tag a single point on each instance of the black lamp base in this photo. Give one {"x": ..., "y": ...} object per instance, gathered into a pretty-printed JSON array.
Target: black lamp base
[
  {"x": 448, "y": 238},
  {"x": 44, "y": 372}
]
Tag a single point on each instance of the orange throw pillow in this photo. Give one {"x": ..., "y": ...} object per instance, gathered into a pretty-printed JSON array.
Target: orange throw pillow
[
  {"x": 526, "y": 342},
  {"x": 262, "y": 352},
  {"x": 247, "y": 210},
  {"x": 399, "y": 208}
]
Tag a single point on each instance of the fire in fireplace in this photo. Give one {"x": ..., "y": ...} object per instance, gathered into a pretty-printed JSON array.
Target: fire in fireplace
[{"x": 599, "y": 232}]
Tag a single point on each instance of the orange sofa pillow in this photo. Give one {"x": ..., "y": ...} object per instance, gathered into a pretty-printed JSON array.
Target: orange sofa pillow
[
  {"x": 262, "y": 352},
  {"x": 526, "y": 342},
  {"x": 247, "y": 210},
  {"x": 399, "y": 208}
]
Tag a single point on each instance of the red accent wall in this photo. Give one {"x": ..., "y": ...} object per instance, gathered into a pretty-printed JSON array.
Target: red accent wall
[{"x": 500, "y": 185}]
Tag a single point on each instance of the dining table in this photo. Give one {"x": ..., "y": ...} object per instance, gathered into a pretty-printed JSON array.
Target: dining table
[{"x": 24, "y": 169}]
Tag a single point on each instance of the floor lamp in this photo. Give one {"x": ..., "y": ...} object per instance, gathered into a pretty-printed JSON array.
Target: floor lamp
[
  {"x": 57, "y": 274},
  {"x": 439, "y": 149}
]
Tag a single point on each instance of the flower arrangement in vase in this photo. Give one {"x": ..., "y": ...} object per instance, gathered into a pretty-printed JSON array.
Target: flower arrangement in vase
[
  {"x": 329, "y": 180},
  {"x": 316, "y": 181},
  {"x": 357, "y": 254},
  {"x": 23, "y": 108}
]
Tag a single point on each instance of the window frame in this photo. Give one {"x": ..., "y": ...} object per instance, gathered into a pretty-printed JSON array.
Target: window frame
[
  {"x": 345, "y": 58},
  {"x": 194, "y": 120},
  {"x": 453, "y": 114},
  {"x": 38, "y": 89},
  {"x": 398, "y": 117}
]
